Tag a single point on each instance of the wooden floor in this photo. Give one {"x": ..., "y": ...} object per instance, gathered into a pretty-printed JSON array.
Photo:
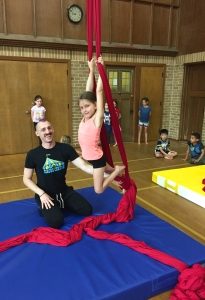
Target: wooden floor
[{"x": 182, "y": 213}]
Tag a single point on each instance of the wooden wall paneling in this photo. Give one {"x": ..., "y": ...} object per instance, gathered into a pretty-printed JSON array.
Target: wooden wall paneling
[
  {"x": 34, "y": 18},
  {"x": 15, "y": 124},
  {"x": 2, "y": 11},
  {"x": 151, "y": 25},
  {"x": 62, "y": 23},
  {"x": 174, "y": 27},
  {"x": 74, "y": 31},
  {"x": 131, "y": 22},
  {"x": 169, "y": 36},
  {"x": 19, "y": 16},
  {"x": 141, "y": 23},
  {"x": 120, "y": 21},
  {"x": 105, "y": 20},
  {"x": 176, "y": 3},
  {"x": 192, "y": 33},
  {"x": 163, "y": 2},
  {"x": 160, "y": 25},
  {"x": 48, "y": 18}
]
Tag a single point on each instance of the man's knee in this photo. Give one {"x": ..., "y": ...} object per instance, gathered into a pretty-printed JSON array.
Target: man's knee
[
  {"x": 53, "y": 218},
  {"x": 55, "y": 223},
  {"x": 86, "y": 209}
]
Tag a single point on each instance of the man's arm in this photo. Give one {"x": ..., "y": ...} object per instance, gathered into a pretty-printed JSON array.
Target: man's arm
[
  {"x": 27, "y": 180},
  {"x": 46, "y": 200}
]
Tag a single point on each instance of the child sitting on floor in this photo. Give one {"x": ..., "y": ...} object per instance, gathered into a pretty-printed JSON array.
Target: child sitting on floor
[
  {"x": 195, "y": 150},
  {"x": 162, "y": 148}
]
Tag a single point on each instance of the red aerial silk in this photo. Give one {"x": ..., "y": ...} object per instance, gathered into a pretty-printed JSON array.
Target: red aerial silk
[{"x": 191, "y": 283}]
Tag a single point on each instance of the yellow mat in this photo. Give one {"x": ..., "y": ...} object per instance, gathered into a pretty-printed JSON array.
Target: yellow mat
[{"x": 186, "y": 182}]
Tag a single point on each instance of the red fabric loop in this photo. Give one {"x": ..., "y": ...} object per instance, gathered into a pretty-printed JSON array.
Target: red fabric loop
[{"x": 191, "y": 284}]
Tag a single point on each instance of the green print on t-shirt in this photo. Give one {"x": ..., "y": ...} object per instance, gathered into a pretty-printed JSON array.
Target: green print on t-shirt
[{"x": 52, "y": 165}]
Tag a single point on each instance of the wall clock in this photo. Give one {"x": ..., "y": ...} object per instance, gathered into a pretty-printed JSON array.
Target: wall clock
[{"x": 75, "y": 13}]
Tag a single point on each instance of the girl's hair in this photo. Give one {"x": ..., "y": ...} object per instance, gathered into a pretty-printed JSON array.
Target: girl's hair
[
  {"x": 90, "y": 96},
  {"x": 37, "y": 97},
  {"x": 116, "y": 103},
  {"x": 145, "y": 98},
  {"x": 65, "y": 139}
]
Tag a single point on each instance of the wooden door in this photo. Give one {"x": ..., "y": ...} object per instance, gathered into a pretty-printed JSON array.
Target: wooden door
[
  {"x": 152, "y": 86},
  {"x": 20, "y": 81},
  {"x": 15, "y": 133},
  {"x": 50, "y": 80},
  {"x": 121, "y": 83},
  {"x": 193, "y": 103}
]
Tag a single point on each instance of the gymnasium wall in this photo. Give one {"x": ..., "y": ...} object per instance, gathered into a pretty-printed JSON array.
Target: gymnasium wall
[
  {"x": 173, "y": 79},
  {"x": 149, "y": 25},
  {"x": 191, "y": 28}
]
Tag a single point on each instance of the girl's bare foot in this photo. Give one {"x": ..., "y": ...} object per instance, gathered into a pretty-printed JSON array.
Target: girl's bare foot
[{"x": 118, "y": 170}]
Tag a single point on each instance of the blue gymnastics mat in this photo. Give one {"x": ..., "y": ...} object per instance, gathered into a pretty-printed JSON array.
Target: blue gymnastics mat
[{"x": 90, "y": 269}]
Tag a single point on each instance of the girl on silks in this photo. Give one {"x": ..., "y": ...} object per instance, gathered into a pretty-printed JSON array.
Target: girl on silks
[{"x": 92, "y": 110}]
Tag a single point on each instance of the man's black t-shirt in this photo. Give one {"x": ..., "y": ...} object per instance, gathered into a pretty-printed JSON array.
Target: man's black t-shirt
[{"x": 50, "y": 166}]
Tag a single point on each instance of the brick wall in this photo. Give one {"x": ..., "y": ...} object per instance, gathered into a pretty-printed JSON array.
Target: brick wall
[{"x": 173, "y": 79}]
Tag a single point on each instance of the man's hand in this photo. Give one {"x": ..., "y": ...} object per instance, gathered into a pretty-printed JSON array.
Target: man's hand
[{"x": 46, "y": 201}]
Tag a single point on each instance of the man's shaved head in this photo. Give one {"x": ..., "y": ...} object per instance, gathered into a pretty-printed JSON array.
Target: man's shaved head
[{"x": 41, "y": 124}]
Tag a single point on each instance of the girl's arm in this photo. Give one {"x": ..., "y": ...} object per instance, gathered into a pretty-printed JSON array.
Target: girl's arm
[
  {"x": 100, "y": 101},
  {"x": 32, "y": 115},
  {"x": 90, "y": 80}
]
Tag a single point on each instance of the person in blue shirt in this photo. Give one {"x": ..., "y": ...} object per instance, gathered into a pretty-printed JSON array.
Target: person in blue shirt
[
  {"x": 195, "y": 150},
  {"x": 144, "y": 117}
]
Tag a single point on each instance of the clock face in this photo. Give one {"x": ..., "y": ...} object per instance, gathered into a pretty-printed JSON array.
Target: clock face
[{"x": 75, "y": 13}]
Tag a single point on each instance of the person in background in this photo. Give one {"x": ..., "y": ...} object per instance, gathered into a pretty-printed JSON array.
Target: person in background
[
  {"x": 38, "y": 111},
  {"x": 144, "y": 118},
  {"x": 162, "y": 148},
  {"x": 66, "y": 139},
  {"x": 107, "y": 123},
  {"x": 118, "y": 113},
  {"x": 195, "y": 150}
]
